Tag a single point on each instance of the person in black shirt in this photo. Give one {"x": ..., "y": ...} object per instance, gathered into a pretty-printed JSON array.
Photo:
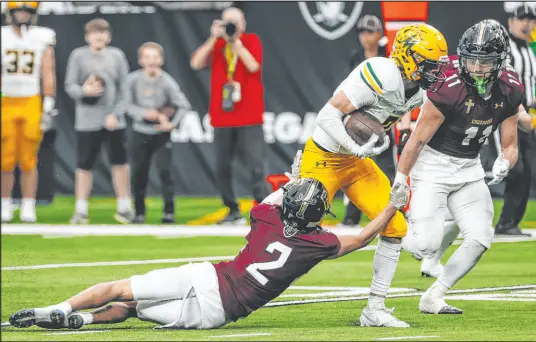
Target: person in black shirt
[{"x": 517, "y": 183}]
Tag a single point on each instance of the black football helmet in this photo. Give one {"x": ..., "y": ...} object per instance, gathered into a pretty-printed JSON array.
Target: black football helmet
[
  {"x": 482, "y": 52},
  {"x": 501, "y": 27},
  {"x": 305, "y": 204}
]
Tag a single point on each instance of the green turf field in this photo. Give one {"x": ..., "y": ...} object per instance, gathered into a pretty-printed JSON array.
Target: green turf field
[
  {"x": 188, "y": 209},
  {"x": 497, "y": 315},
  {"x": 505, "y": 264}
]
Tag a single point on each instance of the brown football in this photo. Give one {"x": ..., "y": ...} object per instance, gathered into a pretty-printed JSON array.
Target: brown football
[{"x": 360, "y": 127}]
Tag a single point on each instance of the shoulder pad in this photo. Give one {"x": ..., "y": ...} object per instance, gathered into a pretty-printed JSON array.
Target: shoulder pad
[{"x": 381, "y": 75}]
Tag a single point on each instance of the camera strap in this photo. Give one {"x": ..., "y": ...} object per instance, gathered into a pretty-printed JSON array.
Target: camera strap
[{"x": 232, "y": 60}]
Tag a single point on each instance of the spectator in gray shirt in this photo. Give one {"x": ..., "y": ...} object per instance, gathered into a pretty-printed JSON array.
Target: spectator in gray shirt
[
  {"x": 93, "y": 78},
  {"x": 155, "y": 102}
]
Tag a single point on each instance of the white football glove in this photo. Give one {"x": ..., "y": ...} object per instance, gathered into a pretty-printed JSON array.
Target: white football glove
[
  {"x": 500, "y": 169},
  {"x": 296, "y": 165},
  {"x": 400, "y": 191},
  {"x": 368, "y": 150},
  {"x": 48, "y": 113}
]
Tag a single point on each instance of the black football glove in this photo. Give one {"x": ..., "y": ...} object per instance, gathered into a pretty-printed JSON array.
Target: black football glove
[{"x": 403, "y": 140}]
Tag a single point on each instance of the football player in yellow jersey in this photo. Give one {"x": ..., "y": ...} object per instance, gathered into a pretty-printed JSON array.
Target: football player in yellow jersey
[
  {"x": 386, "y": 88},
  {"x": 28, "y": 70}
]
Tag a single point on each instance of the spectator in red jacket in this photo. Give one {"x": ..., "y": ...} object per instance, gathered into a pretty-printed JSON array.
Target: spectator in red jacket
[{"x": 236, "y": 104}]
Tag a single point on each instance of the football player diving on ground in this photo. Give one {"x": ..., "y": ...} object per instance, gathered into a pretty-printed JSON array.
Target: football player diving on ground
[{"x": 284, "y": 243}]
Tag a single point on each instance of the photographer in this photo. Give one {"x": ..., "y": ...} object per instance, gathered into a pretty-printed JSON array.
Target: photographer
[
  {"x": 153, "y": 99},
  {"x": 236, "y": 104},
  {"x": 93, "y": 78}
]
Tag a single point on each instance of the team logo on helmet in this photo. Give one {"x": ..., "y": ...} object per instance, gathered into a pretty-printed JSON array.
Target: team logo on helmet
[{"x": 331, "y": 19}]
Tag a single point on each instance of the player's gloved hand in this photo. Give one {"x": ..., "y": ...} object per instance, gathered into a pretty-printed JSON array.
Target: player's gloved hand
[
  {"x": 296, "y": 165},
  {"x": 403, "y": 140},
  {"x": 500, "y": 169},
  {"x": 368, "y": 150},
  {"x": 400, "y": 191},
  {"x": 47, "y": 118}
]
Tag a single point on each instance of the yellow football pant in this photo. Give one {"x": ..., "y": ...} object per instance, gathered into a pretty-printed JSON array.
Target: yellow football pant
[
  {"x": 360, "y": 179},
  {"x": 21, "y": 132}
]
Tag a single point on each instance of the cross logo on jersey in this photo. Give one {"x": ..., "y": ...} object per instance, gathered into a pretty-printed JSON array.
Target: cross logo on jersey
[
  {"x": 469, "y": 104},
  {"x": 499, "y": 105}
]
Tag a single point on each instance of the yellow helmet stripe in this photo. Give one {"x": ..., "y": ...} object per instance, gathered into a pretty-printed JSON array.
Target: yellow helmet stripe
[{"x": 371, "y": 83}]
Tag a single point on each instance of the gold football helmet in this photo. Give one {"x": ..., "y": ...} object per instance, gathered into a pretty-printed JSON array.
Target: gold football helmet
[
  {"x": 421, "y": 52},
  {"x": 30, "y": 6}
]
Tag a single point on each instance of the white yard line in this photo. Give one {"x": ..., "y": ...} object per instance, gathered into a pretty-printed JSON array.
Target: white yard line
[
  {"x": 132, "y": 262},
  {"x": 117, "y": 263},
  {"x": 63, "y": 231},
  {"x": 75, "y": 332},
  {"x": 403, "y": 295},
  {"x": 403, "y": 338},
  {"x": 241, "y": 335}
]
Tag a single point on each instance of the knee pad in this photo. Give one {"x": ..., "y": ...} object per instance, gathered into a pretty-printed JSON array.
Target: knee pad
[
  {"x": 484, "y": 236},
  {"x": 426, "y": 236}
]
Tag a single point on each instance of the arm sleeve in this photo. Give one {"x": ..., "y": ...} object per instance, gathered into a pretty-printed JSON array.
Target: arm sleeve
[
  {"x": 127, "y": 103},
  {"x": 72, "y": 88},
  {"x": 178, "y": 100}
]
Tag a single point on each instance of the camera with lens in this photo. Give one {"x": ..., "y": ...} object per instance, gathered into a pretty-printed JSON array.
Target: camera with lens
[{"x": 230, "y": 29}]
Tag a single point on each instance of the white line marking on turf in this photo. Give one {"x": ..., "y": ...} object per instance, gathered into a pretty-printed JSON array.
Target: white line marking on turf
[
  {"x": 414, "y": 294},
  {"x": 76, "y": 332},
  {"x": 65, "y": 230},
  {"x": 131, "y": 262},
  {"x": 403, "y": 338},
  {"x": 117, "y": 263},
  {"x": 242, "y": 335}
]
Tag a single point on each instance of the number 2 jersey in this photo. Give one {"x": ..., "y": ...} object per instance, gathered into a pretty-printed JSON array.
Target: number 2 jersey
[
  {"x": 21, "y": 59},
  {"x": 269, "y": 263},
  {"x": 469, "y": 119},
  {"x": 375, "y": 87}
]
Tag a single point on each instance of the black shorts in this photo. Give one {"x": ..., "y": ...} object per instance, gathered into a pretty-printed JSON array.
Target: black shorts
[{"x": 89, "y": 145}]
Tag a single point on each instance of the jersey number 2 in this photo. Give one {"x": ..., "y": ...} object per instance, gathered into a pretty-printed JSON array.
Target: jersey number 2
[
  {"x": 254, "y": 268},
  {"x": 471, "y": 132}
]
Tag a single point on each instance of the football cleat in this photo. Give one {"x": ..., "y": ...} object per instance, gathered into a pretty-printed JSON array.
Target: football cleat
[
  {"x": 75, "y": 321},
  {"x": 380, "y": 316},
  {"x": 124, "y": 217},
  {"x": 43, "y": 318},
  {"x": 436, "y": 306},
  {"x": 22, "y": 319},
  {"x": 79, "y": 218}
]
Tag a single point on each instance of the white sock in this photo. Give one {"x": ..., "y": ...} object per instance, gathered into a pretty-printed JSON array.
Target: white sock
[
  {"x": 461, "y": 262},
  {"x": 7, "y": 203},
  {"x": 45, "y": 312},
  {"x": 438, "y": 289},
  {"x": 64, "y": 306},
  {"x": 384, "y": 265},
  {"x": 82, "y": 206},
  {"x": 124, "y": 204},
  {"x": 87, "y": 317},
  {"x": 27, "y": 204}
]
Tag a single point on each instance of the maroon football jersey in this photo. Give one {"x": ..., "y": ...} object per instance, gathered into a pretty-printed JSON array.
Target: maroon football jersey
[
  {"x": 269, "y": 262},
  {"x": 469, "y": 119}
]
